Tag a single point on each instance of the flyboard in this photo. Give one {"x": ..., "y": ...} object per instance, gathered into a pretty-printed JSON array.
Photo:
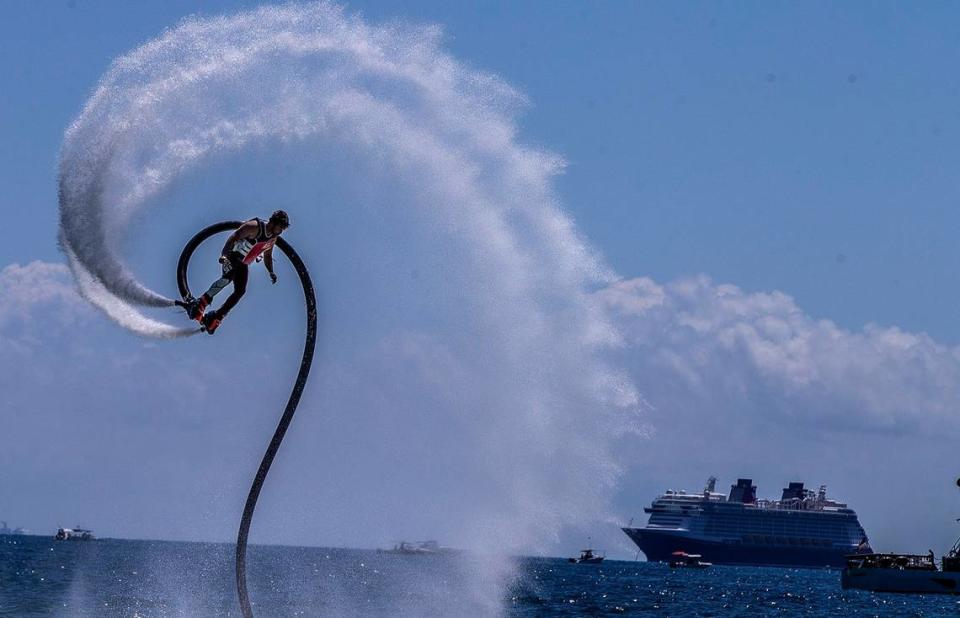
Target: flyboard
[{"x": 308, "y": 348}]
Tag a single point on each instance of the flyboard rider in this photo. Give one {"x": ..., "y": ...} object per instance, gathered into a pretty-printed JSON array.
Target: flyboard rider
[{"x": 252, "y": 241}]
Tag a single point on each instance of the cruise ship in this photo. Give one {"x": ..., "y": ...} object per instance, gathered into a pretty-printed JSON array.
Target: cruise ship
[
  {"x": 10, "y": 531},
  {"x": 802, "y": 528}
]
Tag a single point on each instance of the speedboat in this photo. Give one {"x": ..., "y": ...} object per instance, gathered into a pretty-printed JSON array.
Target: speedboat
[{"x": 587, "y": 556}]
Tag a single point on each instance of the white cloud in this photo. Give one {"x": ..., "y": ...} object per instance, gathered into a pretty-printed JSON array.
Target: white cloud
[
  {"x": 38, "y": 286},
  {"x": 719, "y": 342}
]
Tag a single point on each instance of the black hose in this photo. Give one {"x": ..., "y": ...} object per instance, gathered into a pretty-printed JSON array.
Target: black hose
[{"x": 295, "y": 394}]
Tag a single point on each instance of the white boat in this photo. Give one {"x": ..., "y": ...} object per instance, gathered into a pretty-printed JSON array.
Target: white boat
[
  {"x": 588, "y": 556},
  {"x": 74, "y": 534}
]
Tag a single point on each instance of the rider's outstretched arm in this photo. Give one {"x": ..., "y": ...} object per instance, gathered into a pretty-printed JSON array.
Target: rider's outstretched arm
[{"x": 268, "y": 262}]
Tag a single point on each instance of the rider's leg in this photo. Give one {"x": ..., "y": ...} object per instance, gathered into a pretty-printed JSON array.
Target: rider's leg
[{"x": 239, "y": 272}]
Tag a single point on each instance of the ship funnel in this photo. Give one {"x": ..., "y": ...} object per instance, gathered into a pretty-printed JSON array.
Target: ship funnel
[
  {"x": 744, "y": 491},
  {"x": 793, "y": 491}
]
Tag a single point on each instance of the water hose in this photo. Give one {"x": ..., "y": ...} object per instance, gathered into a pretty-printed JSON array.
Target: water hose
[{"x": 284, "y": 424}]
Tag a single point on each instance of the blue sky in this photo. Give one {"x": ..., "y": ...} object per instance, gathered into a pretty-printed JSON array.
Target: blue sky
[
  {"x": 805, "y": 148},
  {"x": 799, "y": 152}
]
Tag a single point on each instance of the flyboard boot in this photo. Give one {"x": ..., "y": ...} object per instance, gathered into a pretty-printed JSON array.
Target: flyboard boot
[
  {"x": 194, "y": 307},
  {"x": 211, "y": 322}
]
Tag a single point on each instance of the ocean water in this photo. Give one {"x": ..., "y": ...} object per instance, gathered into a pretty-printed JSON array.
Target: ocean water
[{"x": 40, "y": 577}]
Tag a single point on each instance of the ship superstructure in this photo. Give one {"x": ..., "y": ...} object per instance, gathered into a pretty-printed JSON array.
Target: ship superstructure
[{"x": 802, "y": 528}]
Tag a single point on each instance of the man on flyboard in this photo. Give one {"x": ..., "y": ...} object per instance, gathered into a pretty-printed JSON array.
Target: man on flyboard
[{"x": 252, "y": 241}]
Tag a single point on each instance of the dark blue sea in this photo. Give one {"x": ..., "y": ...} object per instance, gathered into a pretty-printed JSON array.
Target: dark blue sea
[{"x": 40, "y": 577}]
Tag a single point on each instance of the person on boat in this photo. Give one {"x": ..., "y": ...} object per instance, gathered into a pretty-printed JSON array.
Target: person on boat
[{"x": 252, "y": 241}]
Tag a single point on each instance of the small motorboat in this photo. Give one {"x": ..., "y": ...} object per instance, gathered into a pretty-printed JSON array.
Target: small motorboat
[
  {"x": 683, "y": 560},
  {"x": 587, "y": 556},
  {"x": 74, "y": 534}
]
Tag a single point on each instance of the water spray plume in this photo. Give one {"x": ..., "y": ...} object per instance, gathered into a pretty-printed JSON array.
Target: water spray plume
[{"x": 537, "y": 414}]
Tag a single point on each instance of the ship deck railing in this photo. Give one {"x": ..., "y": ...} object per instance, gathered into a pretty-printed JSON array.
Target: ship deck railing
[{"x": 918, "y": 562}]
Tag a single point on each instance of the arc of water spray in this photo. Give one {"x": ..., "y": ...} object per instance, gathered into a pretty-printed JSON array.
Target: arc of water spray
[{"x": 292, "y": 402}]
